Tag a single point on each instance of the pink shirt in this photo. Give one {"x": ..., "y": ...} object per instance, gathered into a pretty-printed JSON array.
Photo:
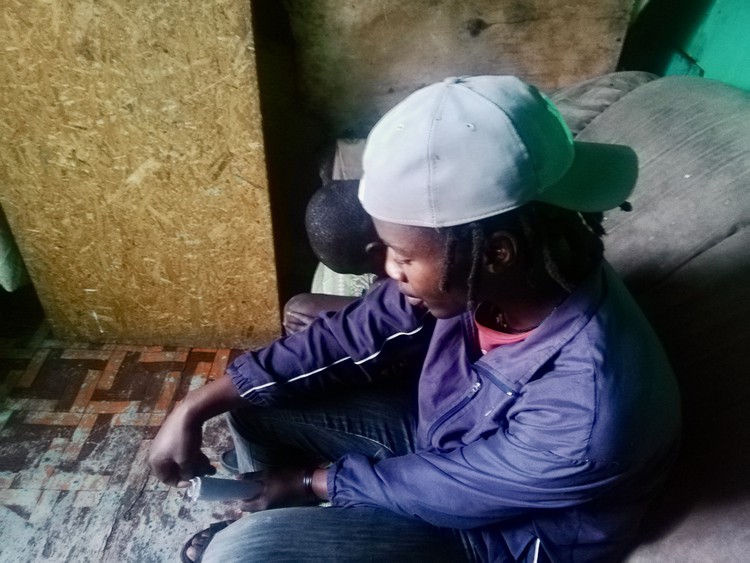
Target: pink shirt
[{"x": 489, "y": 338}]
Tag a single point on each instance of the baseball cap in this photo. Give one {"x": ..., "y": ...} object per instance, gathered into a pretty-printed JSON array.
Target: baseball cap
[{"x": 468, "y": 148}]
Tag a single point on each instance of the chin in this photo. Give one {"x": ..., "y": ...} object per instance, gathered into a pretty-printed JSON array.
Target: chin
[{"x": 443, "y": 313}]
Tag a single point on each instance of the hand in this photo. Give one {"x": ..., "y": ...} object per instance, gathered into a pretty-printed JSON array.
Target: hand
[
  {"x": 302, "y": 309},
  {"x": 175, "y": 456},
  {"x": 281, "y": 487},
  {"x": 296, "y": 321}
]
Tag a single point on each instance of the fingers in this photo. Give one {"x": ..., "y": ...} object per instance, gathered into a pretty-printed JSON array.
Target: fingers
[
  {"x": 252, "y": 475},
  {"x": 166, "y": 471},
  {"x": 185, "y": 481},
  {"x": 200, "y": 465},
  {"x": 295, "y": 321},
  {"x": 178, "y": 474},
  {"x": 260, "y": 501},
  {"x": 258, "y": 504},
  {"x": 300, "y": 316},
  {"x": 281, "y": 487}
]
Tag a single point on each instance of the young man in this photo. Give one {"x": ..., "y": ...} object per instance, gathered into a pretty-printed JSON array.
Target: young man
[{"x": 545, "y": 414}]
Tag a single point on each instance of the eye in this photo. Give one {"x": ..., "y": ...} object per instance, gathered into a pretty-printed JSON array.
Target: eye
[{"x": 396, "y": 259}]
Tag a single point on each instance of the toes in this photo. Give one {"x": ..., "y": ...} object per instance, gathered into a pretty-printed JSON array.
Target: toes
[
  {"x": 193, "y": 550},
  {"x": 201, "y": 542},
  {"x": 197, "y": 546}
]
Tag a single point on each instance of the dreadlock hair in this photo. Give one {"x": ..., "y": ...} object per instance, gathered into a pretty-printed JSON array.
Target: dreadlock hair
[
  {"x": 563, "y": 246},
  {"x": 339, "y": 229}
]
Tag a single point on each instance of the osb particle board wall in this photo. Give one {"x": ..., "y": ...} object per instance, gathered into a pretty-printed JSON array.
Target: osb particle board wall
[
  {"x": 360, "y": 58},
  {"x": 132, "y": 169}
]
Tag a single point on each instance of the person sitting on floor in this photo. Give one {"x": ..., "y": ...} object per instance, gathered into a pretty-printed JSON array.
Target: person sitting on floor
[{"x": 545, "y": 414}]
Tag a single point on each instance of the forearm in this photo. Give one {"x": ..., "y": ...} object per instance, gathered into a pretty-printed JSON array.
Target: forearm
[
  {"x": 320, "y": 483},
  {"x": 210, "y": 400},
  {"x": 176, "y": 455}
]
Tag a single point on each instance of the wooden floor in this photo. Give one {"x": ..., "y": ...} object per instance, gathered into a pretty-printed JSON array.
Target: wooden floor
[{"x": 76, "y": 421}]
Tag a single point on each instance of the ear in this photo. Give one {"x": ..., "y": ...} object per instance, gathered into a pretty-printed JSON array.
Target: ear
[
  {"x": 375, "y": 252},
  {"x": 501, "y": 251}
]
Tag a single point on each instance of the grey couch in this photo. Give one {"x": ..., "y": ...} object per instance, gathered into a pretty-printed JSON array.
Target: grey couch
[{"x": 684, "y": 250}]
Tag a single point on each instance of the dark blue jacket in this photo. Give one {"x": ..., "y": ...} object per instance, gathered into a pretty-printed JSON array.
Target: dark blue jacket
[{"x": 562, "y": 437}]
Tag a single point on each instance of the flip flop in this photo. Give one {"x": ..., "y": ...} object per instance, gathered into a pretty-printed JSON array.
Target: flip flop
[
  {"x": 229, "y": 461},
  {"x": 206, "y": 536}
]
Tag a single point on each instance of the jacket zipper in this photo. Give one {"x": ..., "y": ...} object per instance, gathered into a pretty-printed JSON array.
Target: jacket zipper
[
  {"x": 489, "y": 375},
  {"x": 453, "y": 410}
]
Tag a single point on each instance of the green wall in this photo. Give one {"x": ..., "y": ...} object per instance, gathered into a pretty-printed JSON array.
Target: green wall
[{"x": 708, "y": 38}]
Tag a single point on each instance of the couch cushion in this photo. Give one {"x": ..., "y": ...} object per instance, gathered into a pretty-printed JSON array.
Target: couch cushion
[
  {"x": 580, "y": 103},
  {"x": 692, "y": 137},
  {"x": 685, "y": 252},
  {"x": 700, "y": 313}
]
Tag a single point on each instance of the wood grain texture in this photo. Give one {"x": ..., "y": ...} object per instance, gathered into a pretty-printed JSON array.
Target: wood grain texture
[{"x": 132, "y": 170}]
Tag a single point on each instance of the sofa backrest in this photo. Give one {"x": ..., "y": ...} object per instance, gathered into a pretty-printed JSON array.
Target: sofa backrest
[{"x": 684, "y": 251}]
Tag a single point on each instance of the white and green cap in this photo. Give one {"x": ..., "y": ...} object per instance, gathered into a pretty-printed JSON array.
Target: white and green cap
[{"x": 469, "y": 148}]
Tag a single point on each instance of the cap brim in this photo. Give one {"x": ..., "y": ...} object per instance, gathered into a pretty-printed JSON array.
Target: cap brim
[{"x": 601, "y": 177}]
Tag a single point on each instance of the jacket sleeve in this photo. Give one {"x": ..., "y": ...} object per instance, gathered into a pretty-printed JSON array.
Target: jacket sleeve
[
  {"x": 348, "y": 346},
  {"x": 495, "y": 478}
]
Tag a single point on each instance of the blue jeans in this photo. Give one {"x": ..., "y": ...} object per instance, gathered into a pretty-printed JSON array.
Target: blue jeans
[{"x": 377, "y": 422}]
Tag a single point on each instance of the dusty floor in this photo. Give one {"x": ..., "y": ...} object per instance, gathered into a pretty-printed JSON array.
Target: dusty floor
[{"x": 76, "y": 421}]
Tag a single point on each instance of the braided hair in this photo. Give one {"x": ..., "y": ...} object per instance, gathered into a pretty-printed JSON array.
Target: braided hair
[{"x": 563, "y": 246}]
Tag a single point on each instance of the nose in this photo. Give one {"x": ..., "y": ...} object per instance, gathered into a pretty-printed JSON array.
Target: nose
[{"x": 392, "y": 267}]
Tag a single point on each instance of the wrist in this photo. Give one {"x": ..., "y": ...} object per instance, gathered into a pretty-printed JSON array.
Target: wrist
[
  {"x": 314, "y": 483},
  {"x": 307, "y": 483},
  {"x": 208, "y": 401},
  {"x": 319, "y": 483},
  {"x": 188, "y": 411}
]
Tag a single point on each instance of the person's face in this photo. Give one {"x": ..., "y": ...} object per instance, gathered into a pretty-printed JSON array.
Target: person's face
[{"x": 414, "y": 258}]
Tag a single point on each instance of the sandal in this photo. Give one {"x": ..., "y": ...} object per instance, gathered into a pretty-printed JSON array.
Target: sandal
[
  {"x": 229, "y": 461},
  {"x": 199, "y": 542}
]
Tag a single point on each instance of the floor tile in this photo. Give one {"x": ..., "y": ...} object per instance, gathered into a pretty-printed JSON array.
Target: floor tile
[{"x": 76, "y": 423}]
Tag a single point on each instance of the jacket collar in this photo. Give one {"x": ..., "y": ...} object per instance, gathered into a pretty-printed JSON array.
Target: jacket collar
[{"x": 516, "y": 363}]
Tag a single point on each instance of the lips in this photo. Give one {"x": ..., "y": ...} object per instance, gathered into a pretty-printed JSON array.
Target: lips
[{"x": 414, "y": 301}]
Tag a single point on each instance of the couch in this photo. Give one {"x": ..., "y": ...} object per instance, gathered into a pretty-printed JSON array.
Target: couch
[{"x": 684, "y": 251}]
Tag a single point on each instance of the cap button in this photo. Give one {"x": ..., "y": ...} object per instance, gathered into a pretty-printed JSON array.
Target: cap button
[{"x": 454, "y": 80}]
